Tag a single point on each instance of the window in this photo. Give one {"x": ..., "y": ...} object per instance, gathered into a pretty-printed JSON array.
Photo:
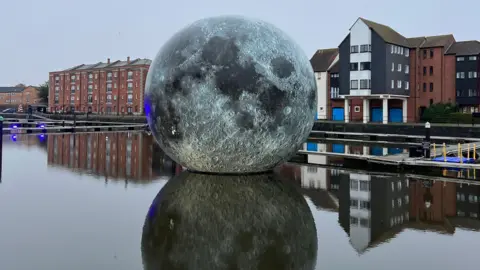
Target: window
[
  {"x": 335, "y": 92},
  {"x": 109, "y": 98},
  {"x": 431, "y": 87},
  {"x": 354, "y": 49},
  {"x": 72, "y": 88},
  {"x": 472, "y": 58},
  {"x": 130, "y": 75},
  {"x": 365, "y": 48},
  {"x": 364, "y": 223},
  {"x": 424, "y": 54},
  {"x": 407, "y": 69},
  {"x": 90, "y": 89},
  {"x": 109, "y": 76},
  {"x": 73, "y": 78},
  {"x": 129, "y": 86},
  {"x": 461, "y": 58},
  {"x": 472, "y": 92},
  {"x": 424, "y": 71},
  {"x": 431, "y": 101},
  {"x": 424, "y": 87},
  {"x": 401, "y": 50},
  {"x": 460, "y": 75},
  {"x": 407, "y": 52},
  {"x": 354, "y": 84},
  {"x": 353, "y": 204},
  {"x": 392, "y": 48},
  {"x": 393, "y": 84},
  {"x": 90, "y": 77},
  {"x": 353, "y": 66},
  {"x": 472, "y": 74},
  {"x": 364, "y": 205},
  {"x": 407, "y": 199},
  {"x": 365, "y": 66},
  {"x": 407, "y": 85},
  {"x": 57, "y": 88},
  {"x": 364, "y": 186},
  {"x": 353, "y": 184},
  {"x": 364, "y": 84},
  {"x": 399, "y": 84},
  {"x": 399, "y": 67},
  {"x": 109, "y": 87},
  {"x": 353, "y": 221},
  {"x": 89, "y": 98},
  {"x": 431, "y": 71},
  {"x": 357, "y": 108},
  {"x": 129, "y": 98},
  {"x": 393, "y": 66},
  {"x": 431, "y": 53}
]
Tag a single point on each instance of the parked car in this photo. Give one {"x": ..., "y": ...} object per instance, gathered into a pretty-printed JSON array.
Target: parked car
[{"x": 9, "y": 110}]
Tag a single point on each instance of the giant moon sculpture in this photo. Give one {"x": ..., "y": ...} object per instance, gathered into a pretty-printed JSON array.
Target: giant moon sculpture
[
  {"x": 230, "y": 95},
  {"x": 216, "y": 222}
]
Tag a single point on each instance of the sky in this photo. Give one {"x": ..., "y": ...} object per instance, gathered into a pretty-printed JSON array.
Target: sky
[{"x": 37, "y": 37}]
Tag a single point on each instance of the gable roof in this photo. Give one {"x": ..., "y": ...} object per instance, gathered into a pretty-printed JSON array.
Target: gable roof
[
  {"x": 322, "y": 59},
  {"x": 386, "y": 33},
  {"x": 335, "y": 68},
  {"x": 471, "y": 47},
  {"x": 11, "y": 89},
  {"x": 431, "y": 41},
  {"x": 114, "y": 64}
]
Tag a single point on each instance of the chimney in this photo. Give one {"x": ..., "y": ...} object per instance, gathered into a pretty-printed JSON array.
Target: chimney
[
  {"x": 128, "y": 60},
  {"x": 108, "y": 61}
]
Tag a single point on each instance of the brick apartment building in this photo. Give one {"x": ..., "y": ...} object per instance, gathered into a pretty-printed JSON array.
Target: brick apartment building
[
  {"x": 110, "y": 155},
  {"x": 12, "y": 97},
  {"x": 378, "y": 75},
  {"x": 105, "y": 88}
]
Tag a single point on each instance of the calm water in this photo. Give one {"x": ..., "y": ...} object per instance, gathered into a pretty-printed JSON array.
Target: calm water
[{"x": 81, "y": 202}]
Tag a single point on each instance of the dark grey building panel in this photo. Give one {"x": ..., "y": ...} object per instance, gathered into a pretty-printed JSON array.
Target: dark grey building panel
[
  {"x": 395, "y": 75},
  {"x": 344, "y": 68},
  {"x": 378, "y": 64},
  {"x": 465, "y": 85}
]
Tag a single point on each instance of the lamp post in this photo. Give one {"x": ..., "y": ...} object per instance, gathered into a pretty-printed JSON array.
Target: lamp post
[{"x": 426, "y": 141}]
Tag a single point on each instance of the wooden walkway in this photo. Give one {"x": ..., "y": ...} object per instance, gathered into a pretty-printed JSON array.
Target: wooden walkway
[
  {"x": 59, "y": 129},
  {"x": 397, "y": 160},
  {"x": 387, "y": 136}
]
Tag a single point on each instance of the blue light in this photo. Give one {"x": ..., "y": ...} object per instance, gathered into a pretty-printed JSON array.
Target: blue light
[
  {"x": 14, "y": 126},
  {"x": 41, "y": 125},
  {"x": 13, "y": 138},
  {"x": 41, "y": 137}
]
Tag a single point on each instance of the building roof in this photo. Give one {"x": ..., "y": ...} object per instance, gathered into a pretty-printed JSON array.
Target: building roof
[
  {"x": 431, "y": 41},
  {"x": 471, "y": 47},
  {"x": 386, "y": 33},
  {"x": 115, "y": 64},
  {"x": 335, "y": 68},
  {"x": 323, "y": 58},
  {"x": 11, "y": 89}
]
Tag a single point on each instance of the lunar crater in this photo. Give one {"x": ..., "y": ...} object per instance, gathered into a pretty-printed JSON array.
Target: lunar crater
[{"x": 231, "y": 87}]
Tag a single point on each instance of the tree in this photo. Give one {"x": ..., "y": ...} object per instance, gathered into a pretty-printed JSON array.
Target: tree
[
  {"x": 43, "y": 92},
  {"x": 439, "y": 112}
]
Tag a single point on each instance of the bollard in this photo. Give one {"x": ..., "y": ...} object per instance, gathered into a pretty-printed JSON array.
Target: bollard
[
  {"x": 460, "y": 153},
  {"x": 444, "y": 152},
  {"x": 474, "y": 150},
  {"x": 468, "y": 151},
  {"x": 434, "y": 150}
]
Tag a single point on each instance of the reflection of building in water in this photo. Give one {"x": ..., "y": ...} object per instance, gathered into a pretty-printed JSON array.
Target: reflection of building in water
[
  {"x": 468, "y": 207},
  {"x": 370, "y": 207},
  {"x": 432, "y": 203},
  {"x": 116, "y": 155}
]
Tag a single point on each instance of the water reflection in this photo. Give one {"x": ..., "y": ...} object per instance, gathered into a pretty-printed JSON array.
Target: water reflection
[
  {"x": 372, "y": 209},
  {"x": 129, "y": 155},
  {"x": 201, "y": 221}
]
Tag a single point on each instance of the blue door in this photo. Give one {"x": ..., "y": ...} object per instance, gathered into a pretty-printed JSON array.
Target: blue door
[
  {"x": 377, "y": 115},
  {"x": 338, "y": 114},
  {"x": 395, "y": 115},
  {"x": 376, "y": 151},
  {"x": 394, "y": 151},
  {"x": 312, "y": 147},
  {"x": 338, "y": 148}
]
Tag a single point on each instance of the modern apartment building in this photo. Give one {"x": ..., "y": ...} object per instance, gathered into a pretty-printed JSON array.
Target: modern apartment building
[
  {"x": 466, "y": 56},
  {"x": 105, "y": 88},
  {"x": 385, "y": 77}
]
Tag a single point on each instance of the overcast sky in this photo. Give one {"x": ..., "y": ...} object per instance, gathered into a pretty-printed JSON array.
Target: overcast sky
[{"x": 41, "y": 36}]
